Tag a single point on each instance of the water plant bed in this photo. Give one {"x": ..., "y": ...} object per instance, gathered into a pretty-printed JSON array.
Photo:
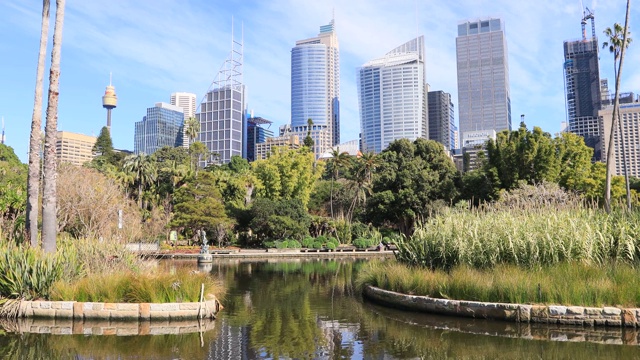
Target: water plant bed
[
  {"x": 569, "y": 284},
  {"x": 547, "y": 314}
]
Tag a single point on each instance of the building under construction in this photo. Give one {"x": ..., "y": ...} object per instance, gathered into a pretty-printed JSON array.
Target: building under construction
[{"x": 582, "y": 86}]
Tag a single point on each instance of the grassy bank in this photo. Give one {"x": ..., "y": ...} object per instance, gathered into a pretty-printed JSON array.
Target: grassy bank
[{"x": 565, "y": 283}]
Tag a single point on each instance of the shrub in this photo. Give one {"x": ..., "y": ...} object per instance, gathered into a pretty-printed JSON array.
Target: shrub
[
  {"x": 317, "y": 245},
  {"x": 293, "y": 244},
  {"x": 308, "y": 241},
  {"x": 363, "y": 243},
  {"x": 331, "y": 246},
  {"x": 28, "y": 273},
  {"x": 270, "y": 244},
  {"x": 333, "y": 240}
]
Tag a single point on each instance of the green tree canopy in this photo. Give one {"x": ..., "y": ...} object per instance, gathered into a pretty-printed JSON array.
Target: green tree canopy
[
  {"x": 411, "y": 177},
  {"x": 287, "y": 174}
]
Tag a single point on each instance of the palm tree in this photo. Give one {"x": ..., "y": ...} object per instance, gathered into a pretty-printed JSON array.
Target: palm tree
[
  {"x": 615, "y": 44},
  {"x": 49, "y": 195},
  {"x": 33, "y": 182},
  {"x": 370, "y": 162},
  {"x": 192, "y": 128},
  {"x": 143, "y": 169},
  {"x": 623, "y": 47},
  {"x": 308, "y": 141},
  {"x": 335, "y": 163}
]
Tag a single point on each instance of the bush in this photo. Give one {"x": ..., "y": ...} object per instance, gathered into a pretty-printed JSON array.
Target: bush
[
  {"x": 317, "y": 245},
  {"x": 28, "y": 273},
  {"x": 293, "y": 244},
  {"x": 331, "y": 246},
  {"x": 307, "y": 242},
  {"x": 363, "y": 243},
  {"x": 333, "y": 240},
  {"x": 270, "y": 244}
]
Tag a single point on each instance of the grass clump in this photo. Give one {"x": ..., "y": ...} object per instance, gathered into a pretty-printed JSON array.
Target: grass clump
[
  {"x": 568, "y": 283},
  {"x": 131, "y": 287}
]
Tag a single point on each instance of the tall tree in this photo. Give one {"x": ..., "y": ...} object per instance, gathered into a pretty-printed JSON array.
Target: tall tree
[
  {"x": 49, "y": 198},
  {"x": 614, "y": 45},
  {"x": 192, "y": 128},
  {"x": 143, "y": 169},
  {"x": 35, "y": 139},
  {"x": 336, "y": 163},
  {"x": 308, "y": 141},
  {"x": 616, "y": 104}
]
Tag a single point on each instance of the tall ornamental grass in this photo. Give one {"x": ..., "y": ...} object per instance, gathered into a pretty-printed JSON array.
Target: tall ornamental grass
[
  {"x": 27, "y": 273},
  {"x": 523, "y": 236},
  {"x": 575, "y": 284},
  {"x": 131, "y": 287}
]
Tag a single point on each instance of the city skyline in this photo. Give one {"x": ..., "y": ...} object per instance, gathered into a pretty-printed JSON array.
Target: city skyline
[{"x": 155, "y": 49}]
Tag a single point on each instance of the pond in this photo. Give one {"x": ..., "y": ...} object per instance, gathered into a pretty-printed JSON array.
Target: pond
[{"x": 309, "y": 309}]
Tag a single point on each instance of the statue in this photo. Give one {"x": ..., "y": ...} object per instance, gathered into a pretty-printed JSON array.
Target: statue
[{"x": 204, "y": 249}]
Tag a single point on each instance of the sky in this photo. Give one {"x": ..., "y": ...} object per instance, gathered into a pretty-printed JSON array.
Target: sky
[{"x": 154, "y": 48}]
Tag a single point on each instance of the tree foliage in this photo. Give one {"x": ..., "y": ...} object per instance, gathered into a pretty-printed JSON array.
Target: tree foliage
[
  {"x": 411, "y": 178},
  {"x": 279, "y": 219},
  {"x": 287, "y": 174}
]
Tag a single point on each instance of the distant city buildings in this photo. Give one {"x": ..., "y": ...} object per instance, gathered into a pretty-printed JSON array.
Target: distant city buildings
[
  {"x": 484, "y": 99},
  {"x": 629, "y": 137},
  {"x": 442, "y": 126},
  {"x": 73, "y": 148},
  {"x": 256, "y": 134},
  {"x": 186, "y": 101},
  {"x": 289, "y": 141},
  {"x": 392, "y": 97},
  {"x": 162, "y": 126},
  {"x": 315, "y": 88},
  {"x": 222, "y": 113},
  {"x": 583, "y": 87}
]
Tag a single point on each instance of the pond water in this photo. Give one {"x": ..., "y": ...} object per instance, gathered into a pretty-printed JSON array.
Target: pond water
[{"x": 310, "y": 309}]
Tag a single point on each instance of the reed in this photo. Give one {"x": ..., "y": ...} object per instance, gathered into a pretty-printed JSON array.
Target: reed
[
  {"x": 526, "y": 237},
  {"x": 569, "y": 283}
]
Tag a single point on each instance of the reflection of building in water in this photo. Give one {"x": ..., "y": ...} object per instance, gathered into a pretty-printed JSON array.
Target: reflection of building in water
[
  {"x": 232, "y": 342},
  {"x": 339, "y": 339}
]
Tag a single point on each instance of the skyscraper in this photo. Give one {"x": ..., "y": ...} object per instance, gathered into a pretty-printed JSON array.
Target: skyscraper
[
  {"x": 441, "y": 119},
  {"x": 73, "y": 148},
  {"x": 484, "y": 99},
  {"x": 161, "y": 127},
  {"x": 222, "y": 112},
  {"x": 392, "y": 97},
  {"x": 582, "y": 87},
  {"x": 256, "y": 134},
  {"x": 187, "y": 101},
  {"x": 315, "y": 88}
]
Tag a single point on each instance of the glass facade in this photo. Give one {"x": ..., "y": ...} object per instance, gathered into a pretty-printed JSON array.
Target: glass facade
[
  {"x": 441, "y": 119},
  {"x": 484, "y": 99},
  {"x": 315, "y": 88},
  {"x": 161, "y": 127},
  {"x": 256, "y": 134},
  {"x": 392, "y": 97}
]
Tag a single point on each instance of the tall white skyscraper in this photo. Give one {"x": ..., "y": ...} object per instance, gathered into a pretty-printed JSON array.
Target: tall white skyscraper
[
  {"x": 187, "y": 101},
  {"x": 315, "y": 88},
  {"x": 222, "y": 113},
  {"x": 484, "y": 98},
  {"x": 392, "y": 96}
]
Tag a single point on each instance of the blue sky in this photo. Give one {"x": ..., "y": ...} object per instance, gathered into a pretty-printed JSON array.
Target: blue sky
[{"x": 154, "y": 48}]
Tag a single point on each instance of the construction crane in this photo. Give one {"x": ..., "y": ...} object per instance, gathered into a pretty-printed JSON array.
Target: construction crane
[{"x": 588, "y": 14}]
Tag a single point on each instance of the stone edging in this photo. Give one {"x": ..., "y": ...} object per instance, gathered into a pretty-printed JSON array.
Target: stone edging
[
  {"x": 547, "y": 314},
  {"x": 119, "y": 311}
]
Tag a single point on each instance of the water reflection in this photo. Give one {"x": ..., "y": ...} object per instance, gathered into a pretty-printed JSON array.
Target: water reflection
[{"x": 310, "y": 309}]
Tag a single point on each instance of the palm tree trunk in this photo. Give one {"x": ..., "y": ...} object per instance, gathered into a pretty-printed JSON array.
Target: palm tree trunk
[
  {"x": 607, "y": 189},
  {"x": 33, "y": 177},
  {"x": 624, "y": 151},
  {"x": 49, "y": 194}
]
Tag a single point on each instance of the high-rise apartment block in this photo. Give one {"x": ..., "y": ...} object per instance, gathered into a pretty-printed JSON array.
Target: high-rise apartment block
[
  {"x": 161, "y": 127},
  {"x": 315, "y": 88},
  {"x": 222, "y": 113},
  {"x": 289, "y": 141},
  {"x": 583, "y": 87},
  {"x": 442, "y": 126},
  {"x": 629, "y": 138},
  {"x": 392, "y": 97},
  {"x": 186, "y": 101},
  {"x": 73, "y": 148},
  {"x": 484, "y": 99}
]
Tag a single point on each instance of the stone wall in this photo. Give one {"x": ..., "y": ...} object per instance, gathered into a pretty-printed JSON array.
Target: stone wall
[
  {"x": 119, "y": 311},
  {"x": 547, "y": 314}
]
